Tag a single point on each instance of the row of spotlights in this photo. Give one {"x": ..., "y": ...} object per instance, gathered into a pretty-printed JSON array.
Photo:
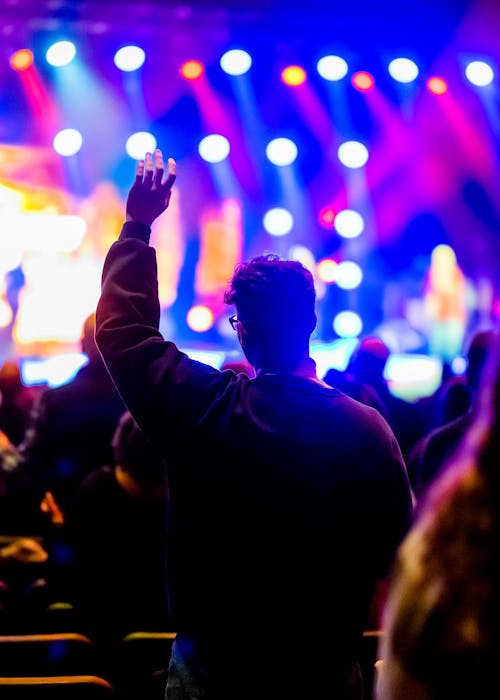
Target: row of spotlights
[
  {"x": 238, "y": 62},
  {"x": 278, "y": 221},
  {"x": 348, "y": 223},
  {"x": 214, "y": 148}
]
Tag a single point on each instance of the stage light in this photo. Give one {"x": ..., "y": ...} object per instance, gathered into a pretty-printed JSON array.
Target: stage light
[
  {"x": 21, "y": 60},
  {"x": 11, "y": 253},
  {"x": 437, "y": 86},
  {"x": 214, "y": 148},
  {"x": 334, "y": 355},
  {"x": 200, "y": 318},
  {"x": 236, "y": 62},
  {"x": 139, "y": 144},
  {"x": 347, "y": 324},
  {"x": 459, "y": 365},
  {"x": 326, "y": 217},
  {"x": 332, "y": 68},
  {"x": 61, "y": 53},
  {"x": 349, "y": 275},
  {"x": 411, "y": 376},
  {"x": 327, "y": 270},
  {"x": 349, "y": 223},
  {"x": 278, "y": 221},
  {"x": 363, "y": 81},
  {"x": 5, "y": 314},
  {"x": 59, "y": 233},
  {"x": 479, "y": 73},
  {"x": 403, "y": 70},
  {"x": 281, "y": 151},
  {"x": 53, "y": 371},
  {"x": 67, "y": 142},
  {"x": 192, "y": 70},
  {"x": 303, "y": 255},
  {"x": 352, "y": 154},
  {"x": 293, "y": 76},
  {"x": 129, "y": 58}
]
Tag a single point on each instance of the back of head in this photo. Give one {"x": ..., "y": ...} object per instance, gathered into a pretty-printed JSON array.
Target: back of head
[
  {"x": 10, "y": 377},
  {"x": 477, "y": 355},
  {"x": 88, "y": 343},
  {"x": 368, "y": 360},
  {"x": 135, "y": 454},
  {"x": 275, "y": 299}
]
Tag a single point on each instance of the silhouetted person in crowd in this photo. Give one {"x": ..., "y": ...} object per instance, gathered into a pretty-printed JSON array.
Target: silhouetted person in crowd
[
  {"x": 441, "y": 622},
  {"x": 356, "y": 390},
  {"x": 431, "y": 452},
  {"x": 287, "y": 498},
  {"x": 366, "y": 367},
  {"x": 16, "y": 402},
  {"x": 20, "y": 512},
  {"x": 72, "y": 425},
  {"x": 117, "y": 529}
]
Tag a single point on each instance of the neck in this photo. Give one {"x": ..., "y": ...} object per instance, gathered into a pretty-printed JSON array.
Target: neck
[{"x": 304, "y": 367}]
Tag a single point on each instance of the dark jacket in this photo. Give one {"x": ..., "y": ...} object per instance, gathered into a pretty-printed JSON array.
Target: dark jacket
[
  {"x": 70, "y": 431},
  {"x": 287, "y": 498}
]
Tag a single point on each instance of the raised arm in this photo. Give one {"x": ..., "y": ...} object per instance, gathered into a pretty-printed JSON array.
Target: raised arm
[{"x": 153, "y": 377}]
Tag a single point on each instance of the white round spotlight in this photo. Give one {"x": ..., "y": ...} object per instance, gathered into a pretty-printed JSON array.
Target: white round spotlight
[
  {"x": 403, "y": 70},
  {"x": 61, "y": 53},
  {"x": 332, "y": 68},
  {"x": 349, "y": 223},
  {"x": 139, "y": 144},
  {"x": 214, "y": 148},
  {"x": 352, "y": 154},
  {"x": 67, "y": 142},
  {"x": 129, "y": 58},
  {"x": 278, "y": 221},
  {"x": 348, "y": 275},
  {"x": 236, "y": 62},
  {"x": 347, "y": 324},
  {"x": 200, "y": 318},
  {"x": 281, "y": 151},
  {"x": 479, "y": 73}
]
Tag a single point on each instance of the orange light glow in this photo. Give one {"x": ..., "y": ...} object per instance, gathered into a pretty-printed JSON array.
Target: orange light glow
[
  {"x": 437, "y": 86},
  {"x": 327, "y": 270},
  {"x": 21, "y": 60},
  {"x": 363, "y": 81},
  {"x": 192, "y": 70},
  {"x": 293, "y": 76}
]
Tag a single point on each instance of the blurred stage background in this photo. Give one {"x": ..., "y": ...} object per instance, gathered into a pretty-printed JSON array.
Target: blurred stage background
[{"x": 295, "y": 132}]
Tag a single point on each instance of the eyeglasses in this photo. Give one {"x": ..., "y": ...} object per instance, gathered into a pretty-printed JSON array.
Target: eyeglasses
[{"x": 233, "y": 320}]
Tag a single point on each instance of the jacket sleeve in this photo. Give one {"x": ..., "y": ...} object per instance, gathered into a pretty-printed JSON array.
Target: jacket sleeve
[{"x": 161, "y": 386}]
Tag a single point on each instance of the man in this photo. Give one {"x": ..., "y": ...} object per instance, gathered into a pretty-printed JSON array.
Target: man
[
  {"x": 71, "y": 427},
  {"x": 435, "y": 449},
  {"x": 287, "y": 498}
]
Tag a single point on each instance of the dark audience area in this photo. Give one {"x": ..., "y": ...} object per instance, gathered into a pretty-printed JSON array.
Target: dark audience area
[{"x": 83, "y": 508}]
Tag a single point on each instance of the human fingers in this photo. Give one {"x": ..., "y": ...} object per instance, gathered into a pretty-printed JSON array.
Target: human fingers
[
  {"x": 171, "y": 174},
  {"x": 159, "y": 167},
  {"x": 148, "y": 177},
  {"x": 139, "y": 173}
]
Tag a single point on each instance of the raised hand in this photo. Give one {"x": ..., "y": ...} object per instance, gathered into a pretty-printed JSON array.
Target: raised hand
[{"x": 149, "y": 195}]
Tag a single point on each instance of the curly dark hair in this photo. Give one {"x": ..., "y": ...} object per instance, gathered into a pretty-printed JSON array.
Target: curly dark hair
[{"x": 274, "y": 298}]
